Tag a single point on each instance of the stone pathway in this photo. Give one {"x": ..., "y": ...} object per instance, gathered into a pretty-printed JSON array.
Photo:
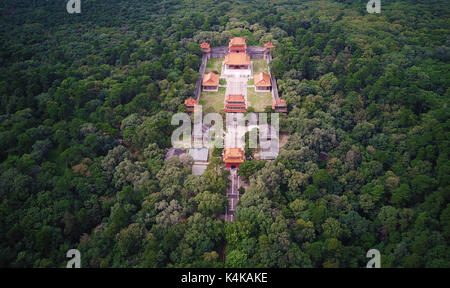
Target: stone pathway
[
  {"x": 232, "y": 195},
  {"x": 236, "y": 85}
]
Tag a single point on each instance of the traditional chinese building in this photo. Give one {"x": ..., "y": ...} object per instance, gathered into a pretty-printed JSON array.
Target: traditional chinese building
[
  {"x": 233, "y": 157},
  {"x": 268, "y": 47},
  {"x": 262, "y": 82},
  {"x": 237, "y": 45},
  {"x": 210, "y": 82},
  {"x": 279, "y": 105},
  {"x": 235, "y": 103},
  {"x": 190, "y": 104},
  {"x": 205, "y": 47},
  {"x": 237, "y": 61}
]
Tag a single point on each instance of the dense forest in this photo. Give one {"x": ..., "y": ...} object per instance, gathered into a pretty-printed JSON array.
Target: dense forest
[{"x": 86, "y": 102}]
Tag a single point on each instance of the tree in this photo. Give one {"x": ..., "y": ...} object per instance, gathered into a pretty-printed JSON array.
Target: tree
[
  {"x": 209, "y": 204},
  {"x": 388, "y": 218},
  {"x": 236, "y": 259},
  {"x": 152, "y": 257},
  {"x": 322, "y": 179},
  {"x": 278, "y": 66},
  {"x": 421, "y": 185},
  {"x": 445, "y": 221},
  {"x": 319, "y": 214},
  {"x": 312, "y": 191},
  {"x": 400, "y": 196},
  {"x": 249, "y": 168},
  {"x": 332, "y": 228},
  {"x": 304, "y": 231},
  {"x": 129, "y": 240}
]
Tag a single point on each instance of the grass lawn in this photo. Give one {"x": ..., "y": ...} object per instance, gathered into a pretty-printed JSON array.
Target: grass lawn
[
  {"x": 213, "y": 100},
  {"x": 260, "y": 65},
  {"x": 259, "y": 100},
  {"x": 251, "y": 82},
  {"x": 214, "y": 64}
]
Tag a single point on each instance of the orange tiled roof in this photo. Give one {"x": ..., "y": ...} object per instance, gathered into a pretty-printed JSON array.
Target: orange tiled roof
[
  {"x": 204, "y": 45},
  {"x": 237, "y": 59},
  {"x": 233, "y": 155},
  {"x": 211, "y": 79},
  {"x": 235, "y": 98},
  {"x": 279, "y": 102},
  {"x": 262, "y": 79},
  {"x": 268, "y": 45},
  {"x": 279, "y": 105},
  {"x": 190, "y": 102},
  {"x": 237, "y": 41}
]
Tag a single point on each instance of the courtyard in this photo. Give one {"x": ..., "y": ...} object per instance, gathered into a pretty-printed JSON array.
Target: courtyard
[
  {"x": 258, "y": 100},
  {"x": 212, "y": 101},
  {"x": 260, "y": 65},
  {"x": 214, "y": 65}
]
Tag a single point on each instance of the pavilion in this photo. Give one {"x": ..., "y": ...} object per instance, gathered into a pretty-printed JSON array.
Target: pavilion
[
  {"x": 233, "y": 157},
  {"x": 210, "y": 82},
  {"x": 268, "y": 47},
  {"x": 190, "y": 104},
  {"x": 237, "y": 45},
  {"x": 262, "y": 82},
  {"x": 205, "y": 47},
  {"x": 235, "y": 103},
  {"x": 240, "y": 61},
  {"x": 279, "y": 105}
]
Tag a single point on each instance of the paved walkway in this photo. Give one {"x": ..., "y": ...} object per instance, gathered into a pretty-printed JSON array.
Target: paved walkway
[
  {"x": 234, "y": 138},
  {"x": 198, "y": 85},
  {"x": 232, "y": 195},
  {"x": 235, "y": 132},
  {"x": 236, "y": 86}
]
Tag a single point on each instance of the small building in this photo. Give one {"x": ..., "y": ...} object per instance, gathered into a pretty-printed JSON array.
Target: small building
[
  {"x": 268, "y": 47},
  {"x": 279, "y": 105},
  {"x": 199, "y": 154},
  {"x": 235, "y": 103},
  {"x": 262, "y": 82},
  {"x": 205, "y": 47},
  {"x": 237, "y": 61},
  {"x": 237, "y": 45},
  {"x": 210, "y": 82},
  {"x": 233, "y": 157},
  {"x": 190, "y": 104}
]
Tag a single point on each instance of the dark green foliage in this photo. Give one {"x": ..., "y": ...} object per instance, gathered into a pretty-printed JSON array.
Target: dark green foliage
[{"x": 85, "y": 108}]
